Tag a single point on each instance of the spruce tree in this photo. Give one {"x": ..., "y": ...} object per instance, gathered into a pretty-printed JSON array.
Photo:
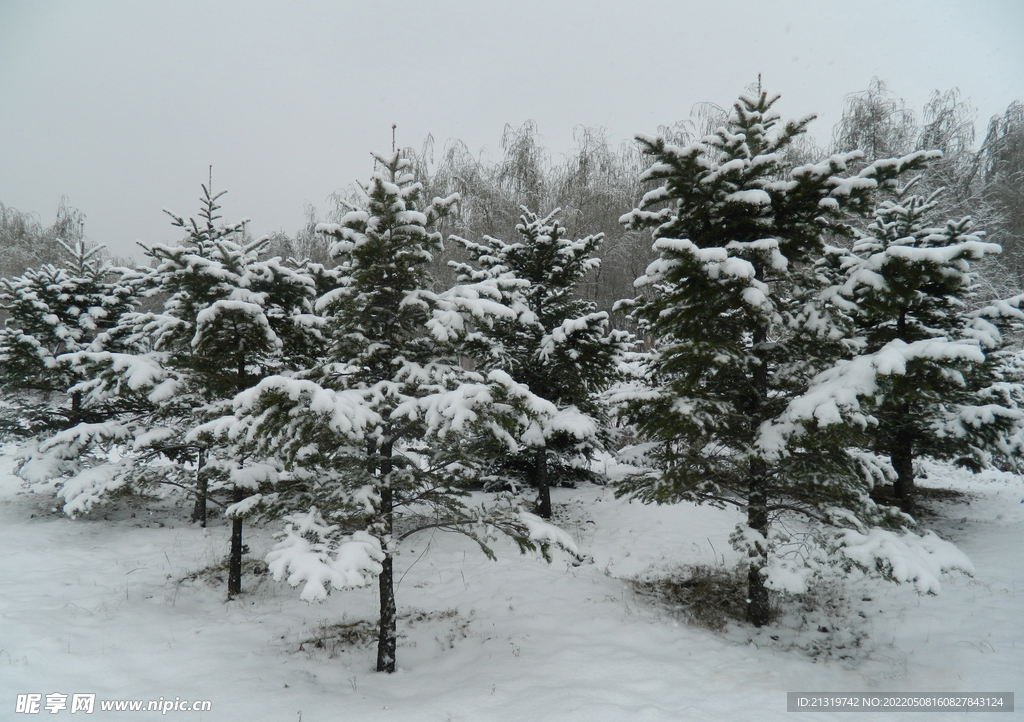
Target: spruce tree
[
  {"x": 932, "y": 368},
  {"x": 732, "y": 309},
  {"x": 228, "y": 318},
  {"x": 371, "y": 435},
  {"x": 51, "y": 311},
  {"x": 559, "y": 345}
]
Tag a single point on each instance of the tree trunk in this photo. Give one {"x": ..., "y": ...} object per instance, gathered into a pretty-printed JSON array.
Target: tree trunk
[
  {"x": 242, "y": 385},
  {"x": 540, "y": 480},
  {"x": 76, "y": 407},
  {"x": 902, "y": 456},
  {"x": 387, "y": 638},
  {"x": 235, "y": 559},
  {"x": 758, "y": 607},
  {"x": 202, "y": 484},
  {"x": 902, "y": 459}
]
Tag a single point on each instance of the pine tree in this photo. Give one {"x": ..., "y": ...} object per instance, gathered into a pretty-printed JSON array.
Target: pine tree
[
  {"x": 934, "y": 372},
  {"x": 52, "y": 311},
  {"x": 378, "y": 422},
  {"x": 559, "y": 346},
  {"x": 228, "y": 319},
  {"x": 732, "y": 310}
]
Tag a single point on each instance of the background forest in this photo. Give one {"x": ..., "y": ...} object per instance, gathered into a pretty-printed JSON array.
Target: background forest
[{"x": 596, "y": 183}]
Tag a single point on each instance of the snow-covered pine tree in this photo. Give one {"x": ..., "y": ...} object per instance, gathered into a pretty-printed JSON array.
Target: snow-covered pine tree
[
  {"x": 378, "y": 422},
  {"x": 51, "y": 311},
  {"x": 263, "y": 326},
  {"x": 934, "y": 372},
  {"x": 730, "y": 308},
  {"x": 559, "y": 345},
  {"x": 228, "y": 319}
]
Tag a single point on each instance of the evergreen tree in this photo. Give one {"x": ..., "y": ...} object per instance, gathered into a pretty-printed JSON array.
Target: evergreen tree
[
  {"x": 737, "y": 329},
  {"x": 52, "y": 311},
  {"x": 559, "y": 346},
  {"x": 228, "y": 319},
  {"x": 377, "y": 424},
  {"x": 934, "y": 373}
]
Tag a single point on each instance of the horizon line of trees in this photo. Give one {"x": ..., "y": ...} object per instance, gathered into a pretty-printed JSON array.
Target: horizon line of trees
[{"x": 596, "y": 182}]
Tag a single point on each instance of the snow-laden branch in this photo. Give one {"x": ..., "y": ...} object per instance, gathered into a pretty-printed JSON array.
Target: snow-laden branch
[
  {"x": 545, "y": 533},
  {"x": 308, "y": 555},
  {"x": 835, "y": 395},
  {"x": 905, "y": 558},
  {"x": 344, "y": 412},
  {"x": 88, "y": 487},
  {"x": 148, "y": 373}
]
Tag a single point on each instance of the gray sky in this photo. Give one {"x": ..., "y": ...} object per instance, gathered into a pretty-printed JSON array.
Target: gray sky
[{"x": 121, "y": 106}]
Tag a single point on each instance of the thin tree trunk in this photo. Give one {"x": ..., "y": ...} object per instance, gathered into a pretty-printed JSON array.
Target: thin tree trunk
[
  {"x": 387, "y": 638},
  {"x": 902, "y": 456},
  {"x": 387, "y": 645},
  {"x": 758, "y": 606},
  {"x": 540, "y": 480},
  {"x": 902, "y": 459},
  {"x": 76, "y": 406},
  {"x": 235, "y": 559},
  {"x": 237, "y": 548},
  {"x": 241, "y": 385},
  {"x": 202, "y": 485}
]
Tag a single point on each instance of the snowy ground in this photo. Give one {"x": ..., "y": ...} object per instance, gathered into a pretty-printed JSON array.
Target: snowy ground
[{"x": 115, "y": 607}]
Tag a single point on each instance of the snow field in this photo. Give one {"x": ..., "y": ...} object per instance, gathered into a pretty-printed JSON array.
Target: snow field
[{"x": 115, "y": 607}]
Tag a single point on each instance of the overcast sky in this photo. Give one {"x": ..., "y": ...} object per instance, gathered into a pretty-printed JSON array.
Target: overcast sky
[{"x": 122, "y": 106}]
